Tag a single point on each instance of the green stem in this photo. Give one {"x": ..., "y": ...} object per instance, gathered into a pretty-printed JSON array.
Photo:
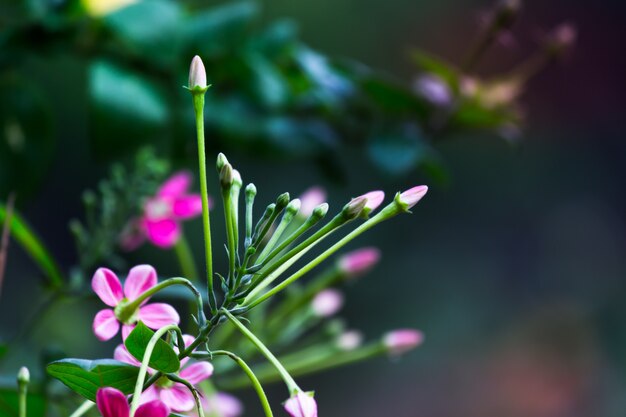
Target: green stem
[
  {"x": 84, "y": 407},
  {"x": 143, "y": 370},
  {"x": 230, "y": 235},
  {"x": 291, "y": 384},
  {"x": 198, "y": 104},
  {"x": 253, "y": 379},
  {"x": 191, "y": 388},
  {"x": 185, "y": 259},
  {"x": 22, "y": 397}
]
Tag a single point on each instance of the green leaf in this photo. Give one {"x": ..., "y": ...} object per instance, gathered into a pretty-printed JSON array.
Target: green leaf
[
  {"x": 163, "y": 357},
  {"x": 439, "y": 67},
  {"x": 471, "y": 114},
  {"x": 35, "y": 403},
  {"x": 85, "y": 377},
  {"x": 395, "y": 99},
  {"x": 398, "y": 150}
]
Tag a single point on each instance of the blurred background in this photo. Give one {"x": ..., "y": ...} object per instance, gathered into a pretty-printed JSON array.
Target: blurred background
[{"x": 513, "y": 265}]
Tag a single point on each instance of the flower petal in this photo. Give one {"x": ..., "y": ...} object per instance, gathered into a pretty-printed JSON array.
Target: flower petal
[
  {"x": 153, "y": 409},
  {"x": 126, "y": 329},
  {"x": 188, "y": 206},
  {"x": 150, "y": 394},
  {"x": 112, "y": 403},
  {"x": 176, "y": 185},
  {"x": 301, "y": 404},
  {"x": 197, "y": 372},
  {"x": 162, "y": 233},
  {"x": 157, "y": 315},
  {"x": 121, "y": 354},
  {"x": 177, "y": 397},
  {"x": 106, "y": 284},
  {"x": 223, "y": 404},
  {"x": 140, "y": 279},
  {"x": 105, "y": 324}
]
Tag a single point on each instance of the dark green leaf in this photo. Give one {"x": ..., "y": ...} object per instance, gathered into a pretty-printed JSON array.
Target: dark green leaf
[
  {"x": 471, "y": 114},
  {"x": 163, "y": 357},
  {"x": 86, "y": 376},
  {"x": 398, "y": 150},
  {"x": 393, "y": 98}
]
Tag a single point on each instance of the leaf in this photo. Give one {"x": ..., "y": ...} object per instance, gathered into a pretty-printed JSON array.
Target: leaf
[
  {"x": 127, "y": 108},
  {"x": 439, "y": 67},
  {"x": 398, "y": 150},
  {"x": 471, "y": 114},
  {"x": 393, "y": 98},
  {"x": 35, "y": 403},
  {"x": 163, "y": 357},
  {"x": 86, "y": 376}
]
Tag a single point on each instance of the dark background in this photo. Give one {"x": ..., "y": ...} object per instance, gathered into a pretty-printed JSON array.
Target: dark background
[{"x": 515, "y": 270}]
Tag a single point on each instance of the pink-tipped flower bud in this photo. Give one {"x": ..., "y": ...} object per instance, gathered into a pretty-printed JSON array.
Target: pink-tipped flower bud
[
  {"x": 350, "y": 340},
  {"x": 197, "y": 73},
  {"x": 410, "y": 197},
  {"x": 301, "y": 404},
  {"x": 359, "y": 261},
  {"x": 310, "y": 199},
  {"x": 374, "y": 199},
  {"x": 402, "y": 340},
  {"x": 327, "y": 302},
  {"x": 354, "y": 208}
]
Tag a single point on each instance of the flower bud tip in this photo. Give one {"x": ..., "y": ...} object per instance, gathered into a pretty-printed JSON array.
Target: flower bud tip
[
  {"x": 413, "y": 195},
  {"x": 327, "y": 302},
  {"x": 197, "y": 74},
  {"x": 402, "y": 340},
  {"x": 359, "y": 261},
  {"x": 23, "y": 375}
]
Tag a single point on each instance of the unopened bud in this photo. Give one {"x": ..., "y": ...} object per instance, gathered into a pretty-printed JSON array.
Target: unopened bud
[
  {"x": 250, "y": 190},
  {"x": 311, "y": 198},
  {"x": 221, "y": 161},
  {"x": 374, "y": 199},
  {"x": 327, "y": 302},
  {"x": 350, "y": 340},
  {"x": 226, "y": 176},
  {"x": 402, "y": 340},
  {"x": 197, "y": 74},
  {"x": 293, "y": 207},
  {"x": 237, "y": 178},
  {"x": 320, "y": 212},
  {"x": 359, "y": 261},
  {"x": 355, "y": 207},
  {"x": 23, "y": 376},
  {"x": 282, "y": 201},
  {"x": 410, "y": 197},
  {"x": 301, "y": 404}
]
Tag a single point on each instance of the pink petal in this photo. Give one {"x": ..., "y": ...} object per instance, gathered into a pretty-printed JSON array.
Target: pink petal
[
  {"x": 112, "y": 403},
  {"x": 126, "y": 329},
  {"x": 106, "y": 284},
  {"x": 152, "y": 409},
  {"x": 301, "y": 405},
  {"x": 188, "y": 206},
  {"x": 150, "y": 394},
  {"x": 177, "y": 397},
  {"x": 157, "y": 315},
  {"x": 162, "y": 233},
  {"x": 121, "y": 354},
  {"x": 310, "y": 199},
  {"x": 140, "y": 279},
  {"x": 197, "y": 372},
  {"x": 105, "y": 324},
  {"x": 176, "y": 185}
]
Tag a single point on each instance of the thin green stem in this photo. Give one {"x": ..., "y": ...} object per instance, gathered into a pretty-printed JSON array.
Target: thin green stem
[
  {"x": 22, "y": 397},
  {"x": 291, "y": 384},
  {"x": 186, "y": 259},
  {"x": 253, "y": 379},
  {"x": 230, "y": 235},
  {"x": 198, "y": 104},
  {"x": 143, "y": 370},
  {"x": 84, "y": 407},
  {"x": 191, "y": 388}
]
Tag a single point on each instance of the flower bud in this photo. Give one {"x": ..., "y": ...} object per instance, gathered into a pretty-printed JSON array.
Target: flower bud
[
  {"x": 354, "y": 208},
  {"x": 23, "y": 376},
  {"x": 327, "y": 302},
  {"x": 221, "y": 161},
  {"x": 433, "y": 89},
  {"x": 410, "y": 197},
  {"x": 350, "y": 340},
  {"x": 301, "y": 404},
  {"x": 282, "y": 201},
  {"x": 311, "y": 198},
  {"x": 237, "y": 178},
  {"x": 197, "y": 74},
  {"x": 562, "y": 38},
  {"x": 359, "y": 261},
  {"x": 293, "y": 207},
  {"x": 226, "y": 176},
  {"x": 402, "y": 340},
  {"x": 320, "y": 212},
  {"x": 250, "y": 190},
  {"x": 374, "y": 199}
]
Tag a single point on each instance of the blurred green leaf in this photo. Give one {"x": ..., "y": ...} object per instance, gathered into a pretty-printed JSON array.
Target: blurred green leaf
[
  {"x": 393, "y": 98},
  {"x": 163, "y": 357},
  {"x": 396, "y": 151},
  {"x": 35, "y": 403},
  {"x": 266, "y": 81},
  {"x": 439, "y": 67},
  {"x": 471, "y": 114},
  {"x": 26, "y": 140},
  {"x": 86, "y": 376},
  {"x": 127, "y": 109}
]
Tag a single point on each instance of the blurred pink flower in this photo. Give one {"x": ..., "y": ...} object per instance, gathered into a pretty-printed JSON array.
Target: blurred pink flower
[
  {"x": 402, "y": 340},
  {"x": 359, "y": 261},
  {"x": 301, "y": 404},
  {"x": 310, "y": 199},
  {"x": 162, "y": 213},
  {"x": 113, "y": 403},
  {"x": 140, "y": 279},
  {"x": 175, "y": 395},
  {"x": 327, "y": 302},
  {"x": 221, "y": 404}
]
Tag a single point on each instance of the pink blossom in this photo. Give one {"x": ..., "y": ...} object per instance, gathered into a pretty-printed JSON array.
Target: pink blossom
[
  {"x": 301, "y": 404},
  {"x": 174, "y": 394},
  {"x": 197, "y": 73},
  {"x": 411, "y": 196},
  {"x": 108, "y": 287},
  {"x": 359, "y": 261},
  {"x": 162, "y": 213},
  {"x": 310, "y": 199},
  {"x": 402, "y": 340},
  {"x": 113, "y": 403},
  {"x": 221, "y": 404},
  {"x": 350, "y": 340},
  {"x": 327, "y": 302},
  {"x": 374, "y": 199}
]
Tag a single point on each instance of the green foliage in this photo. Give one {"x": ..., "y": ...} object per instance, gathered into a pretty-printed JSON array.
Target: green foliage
[
  {"x": 163, "y": 357},
  {"x": 86, "y": 376},
  {"x": 119, "y": 198},
  {"x": 36, "y": 403}
]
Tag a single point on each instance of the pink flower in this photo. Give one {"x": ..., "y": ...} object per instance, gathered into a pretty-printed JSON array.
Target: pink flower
[
  {"x": 221, "y": 404},
  {"x": 310, "y": 199},
  {"x": 174, "y": 394},
  {"x": 113, "y": 403},
  {"x": 327, "y": 302},
  {"x": 359, "y": 261},
  {"x": 402, "y": 340},
  {"x": 411, "y": 196},
  {"x": 301, "y": 404},
  {"x": 374, "y": 199},
  {"x": 350, "y": 340},
  {"x": 108, "y": 287},
  {"x": 162, "y": 213}
]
